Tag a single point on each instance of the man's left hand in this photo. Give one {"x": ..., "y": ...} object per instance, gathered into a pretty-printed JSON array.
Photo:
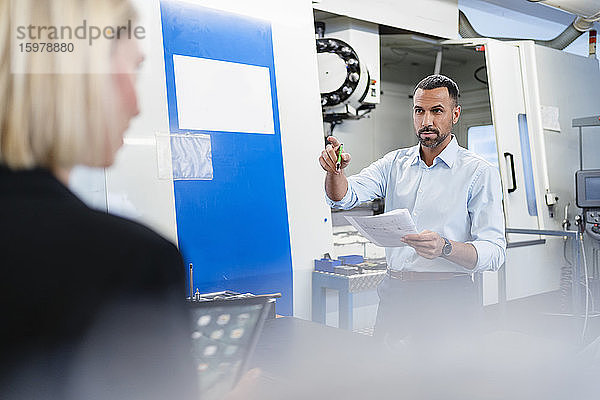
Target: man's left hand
[{"x": 428, "y": 244}]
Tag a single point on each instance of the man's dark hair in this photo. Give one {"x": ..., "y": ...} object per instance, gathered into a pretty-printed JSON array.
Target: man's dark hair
[{"x": 438, "y": 81}]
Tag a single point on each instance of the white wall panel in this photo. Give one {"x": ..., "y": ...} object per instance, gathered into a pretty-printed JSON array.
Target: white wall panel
[
  {"x": 302, "y": 141},
  {"x": 433, "y": 17},
  {"x": 133, "y": 187}
]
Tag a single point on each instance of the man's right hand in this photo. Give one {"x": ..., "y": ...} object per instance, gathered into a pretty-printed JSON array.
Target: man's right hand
[{"x": 329, "y": 157}]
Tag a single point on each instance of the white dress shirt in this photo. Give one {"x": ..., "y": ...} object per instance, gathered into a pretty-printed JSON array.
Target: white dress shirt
[{"x": 459, "y": 197}]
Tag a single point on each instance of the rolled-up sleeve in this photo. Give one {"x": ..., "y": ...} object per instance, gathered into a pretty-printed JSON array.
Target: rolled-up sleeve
[
  {"x": 368, "y": 184},
  {"x": 487, "y": 219}
]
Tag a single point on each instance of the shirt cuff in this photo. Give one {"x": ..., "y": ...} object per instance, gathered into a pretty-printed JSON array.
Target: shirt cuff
[
  {"x": 345, "y": 203},
  {"x": 490, "y": 256}
]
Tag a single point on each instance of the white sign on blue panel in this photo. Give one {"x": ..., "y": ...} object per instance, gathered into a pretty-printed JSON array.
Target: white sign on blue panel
[{"x": 210, "y": 92}]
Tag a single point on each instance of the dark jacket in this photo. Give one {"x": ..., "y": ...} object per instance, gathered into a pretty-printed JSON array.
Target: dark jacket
[{"x": 76, "y": 281}]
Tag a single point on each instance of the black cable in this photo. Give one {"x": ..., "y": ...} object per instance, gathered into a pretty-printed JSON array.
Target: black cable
[
  {"x": 367, "y": 112},
  {"x": 332, "y": 124},
  {"x": 478, "y": 79}
]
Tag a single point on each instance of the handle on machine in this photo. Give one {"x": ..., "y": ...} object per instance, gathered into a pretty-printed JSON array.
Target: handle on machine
[{"x": 512, "y": 171}]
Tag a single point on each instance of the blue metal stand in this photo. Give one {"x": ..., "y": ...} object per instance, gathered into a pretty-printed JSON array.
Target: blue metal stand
[{"x": 346, "y": 286}]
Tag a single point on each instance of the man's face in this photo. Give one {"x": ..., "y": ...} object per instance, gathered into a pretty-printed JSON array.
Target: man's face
[{"x": 434, "y": 113}]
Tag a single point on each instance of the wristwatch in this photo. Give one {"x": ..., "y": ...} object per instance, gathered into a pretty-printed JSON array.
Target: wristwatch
[{"x": 447, "y": 249}]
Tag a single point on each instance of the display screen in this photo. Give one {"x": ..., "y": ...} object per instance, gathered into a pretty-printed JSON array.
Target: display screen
[
  {"x": 222, "y": 338},
  {"x": 592, "y": 188}
]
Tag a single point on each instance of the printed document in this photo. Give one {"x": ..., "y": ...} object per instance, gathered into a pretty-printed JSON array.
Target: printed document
[{"x": 387, "y": 229}]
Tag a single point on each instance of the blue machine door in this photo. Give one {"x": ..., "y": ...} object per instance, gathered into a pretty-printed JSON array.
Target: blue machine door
[{"x": 232, "y": 221}]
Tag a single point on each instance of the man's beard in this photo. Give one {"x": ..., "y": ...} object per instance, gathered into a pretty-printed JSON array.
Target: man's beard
[{"x": 431, "y": 142}]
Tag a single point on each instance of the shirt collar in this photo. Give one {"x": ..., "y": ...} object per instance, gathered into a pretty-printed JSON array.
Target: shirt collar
[
  {"x": 415, "y": 154},
  {"x": 448, "y": 155}
]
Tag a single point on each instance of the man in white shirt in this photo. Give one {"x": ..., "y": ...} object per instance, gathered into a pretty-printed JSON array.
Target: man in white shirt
[{"x": 455, "y": 198}]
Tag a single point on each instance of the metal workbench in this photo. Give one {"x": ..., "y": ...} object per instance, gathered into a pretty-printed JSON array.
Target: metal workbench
[{"x": 346, "y": 285}]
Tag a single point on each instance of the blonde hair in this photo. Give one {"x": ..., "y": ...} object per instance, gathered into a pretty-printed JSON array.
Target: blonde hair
[{"x": 49, "y": 116}]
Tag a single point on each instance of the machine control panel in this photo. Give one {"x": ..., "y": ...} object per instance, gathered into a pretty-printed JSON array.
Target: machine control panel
[
  {"x": 592, "y": 222},
  {"x": 587, "y": 188}
]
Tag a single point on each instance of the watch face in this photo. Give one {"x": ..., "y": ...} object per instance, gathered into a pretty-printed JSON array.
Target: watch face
[{"x": 447, "y": 249}]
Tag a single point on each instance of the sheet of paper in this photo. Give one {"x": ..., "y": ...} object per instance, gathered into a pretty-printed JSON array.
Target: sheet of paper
[
  {"x": 550, "y": 119},
  {"x": 387, "y": 229}
]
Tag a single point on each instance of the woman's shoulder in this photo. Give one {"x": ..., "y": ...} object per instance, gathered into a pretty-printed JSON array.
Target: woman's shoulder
[
  {"x": 132, "y": 249},
  {"x": 123, "y": 232}
]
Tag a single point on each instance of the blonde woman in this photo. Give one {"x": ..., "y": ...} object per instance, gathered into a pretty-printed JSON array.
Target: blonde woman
[{"x": 92, "y": 304}]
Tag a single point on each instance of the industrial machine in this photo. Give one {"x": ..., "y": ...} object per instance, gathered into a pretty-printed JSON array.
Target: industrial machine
[
  {"x": 344, "y": 80},
  {"x": 587, "y": 191},
  {"x": 587, "y": 185},
  {"x": 276, "y": 49},
  {"x": 348, "y": 68}
]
